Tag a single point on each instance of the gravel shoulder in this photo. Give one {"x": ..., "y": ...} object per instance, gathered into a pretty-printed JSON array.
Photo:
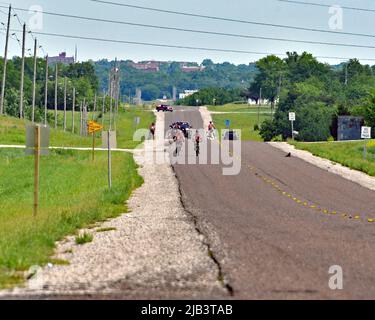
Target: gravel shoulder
[
  {"x": 206, "y": 116},
  {"x": 152, "y": 252},
  {"x": 328, "y": 165}
]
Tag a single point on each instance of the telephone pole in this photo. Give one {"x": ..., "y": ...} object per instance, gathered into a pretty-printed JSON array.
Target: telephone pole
[
  {"x": 260, "y": 101},
  {"x": 80, "y": 125},
  {"x": 110, "y": 106},
  {"x": 103, "y": 107},
  {"x": 64, "y": 103},
  {"x": 56, "y": 74},
  {"x": 5, "y": 63},
  {"x": 46, "y": 94},
  {"x": 95, "y": 101},
  {"x": 22, "y": 70},
  {"x": 73, "y": 108},
  {"x": 34, "y": 81}
]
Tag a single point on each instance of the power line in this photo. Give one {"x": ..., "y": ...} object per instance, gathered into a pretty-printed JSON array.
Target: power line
[
  {"x": 176, "y": 46},
  {"x": 326, "y": 5},
  {"x": 189, "y": 14},
  {"x": 202, "y": 31},
  {"x": 28, "y": 30}
]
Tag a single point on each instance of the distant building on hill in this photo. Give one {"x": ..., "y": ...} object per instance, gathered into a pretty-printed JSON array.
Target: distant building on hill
[
  {"x": 61, "y": 58},
  {"x": 150, "y": 66},
  {"x": 187, "y": 93},
  {"x": 187, "y": 69}
]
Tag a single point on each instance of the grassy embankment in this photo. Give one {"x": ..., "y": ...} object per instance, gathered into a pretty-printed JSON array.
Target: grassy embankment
[
  {"x": 12, "y": 130},
  {"x": 73, "y": 194},
  {"x": 73, "y": 191},
  {"x": 240, "y": 108},
  {"x": 349, "y": 154},
  {"x": 244, "y": 121}
]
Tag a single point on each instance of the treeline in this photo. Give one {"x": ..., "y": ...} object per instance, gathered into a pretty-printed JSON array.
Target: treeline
[
  {"x": 213, "y": 96},
  {"x": 80, "y": 76},
  {"x": 317, "y": 92},
  {"x": 155, "y": 85}
]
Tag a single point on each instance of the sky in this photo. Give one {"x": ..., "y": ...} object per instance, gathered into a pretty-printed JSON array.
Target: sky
[{"x": 269, "y": 11}]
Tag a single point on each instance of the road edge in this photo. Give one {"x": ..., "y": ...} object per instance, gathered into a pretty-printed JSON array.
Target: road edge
[{"x": 355, "y": 176}]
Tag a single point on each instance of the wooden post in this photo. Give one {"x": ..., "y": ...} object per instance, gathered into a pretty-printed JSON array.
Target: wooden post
[
  {"x": 2, "y": 111},
  {"x": 73, "y": 108},
  {"x": 65, "y": 85},
  {"x": 34, "y": 81},
  {"x": 36, "y": 171},
  {"x": 109, "y": 161},
  {"x": 46, "y": 94},
  {"x": 80, "y": 125},
  {"x": 103, "y": 108},
  {"x": 56, "y": 92},
  {"x": 93, "y": 146},
  {"x": 22, "y": 70}
]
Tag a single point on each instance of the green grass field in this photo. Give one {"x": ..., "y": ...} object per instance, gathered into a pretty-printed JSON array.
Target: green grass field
[
  {"x": 73, "y": 194},
  {"x": 349, "y": 154},
  {"x": 12, "y": 130},
  {"x": 245, "y": 122},
  {"x": 239, "y": 108}
]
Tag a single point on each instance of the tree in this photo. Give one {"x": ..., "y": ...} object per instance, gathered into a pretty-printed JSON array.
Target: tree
[{"x": 271, "y": 70}]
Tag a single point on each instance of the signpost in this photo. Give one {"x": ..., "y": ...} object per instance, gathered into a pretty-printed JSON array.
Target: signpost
[
  {"x": 365, "y": 134},
  {"x": 37, "y": 143},
  {"x": 109, "y": 142},
  {"x": 292, "y": 118},
  {"x": 137, "y": 121},
  {"x": 93, "y": 127},
  {"x": 227, "y": 123}
]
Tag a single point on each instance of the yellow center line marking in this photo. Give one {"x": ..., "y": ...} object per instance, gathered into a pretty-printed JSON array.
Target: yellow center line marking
[{"x": 305, "y": 204}]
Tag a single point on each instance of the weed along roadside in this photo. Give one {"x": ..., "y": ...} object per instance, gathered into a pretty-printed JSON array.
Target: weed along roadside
[{"x": 73, "y": 194}]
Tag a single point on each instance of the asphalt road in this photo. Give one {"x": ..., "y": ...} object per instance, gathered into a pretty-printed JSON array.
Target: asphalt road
[{"x": 277, "y": 227}]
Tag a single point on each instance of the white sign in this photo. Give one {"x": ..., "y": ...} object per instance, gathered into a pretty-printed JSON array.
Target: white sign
[
  {"x": 292, "y": 116},
  {"x": 44, "y": 140},
  {"x": 366, "y": 132},
  {"x": 111, "y": 137}
]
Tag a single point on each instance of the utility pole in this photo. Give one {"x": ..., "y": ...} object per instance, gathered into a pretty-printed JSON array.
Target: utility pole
[
  {"x": 46, "y": 94},
  {"x": 80, "y": 112},
  {"x": 84, "y": 125},
  {"x": 95, "y": 101},
  {"x": 64, "y": 103},
  {"x": 22, "y": 70},
  {"x": 56, "y": 75},
  {"x": 5, "y": 63},
  {"x": 73, "y": 108},
  {"x": 103, "y": 107},
  {"x": 34, "y": 81},
  {"x": 260, "y": 101},
  {"x": 110, "y": 106}
]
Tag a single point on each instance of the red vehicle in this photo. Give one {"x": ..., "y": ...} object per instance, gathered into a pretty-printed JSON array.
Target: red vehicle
[{"x": 164, "y": 108}]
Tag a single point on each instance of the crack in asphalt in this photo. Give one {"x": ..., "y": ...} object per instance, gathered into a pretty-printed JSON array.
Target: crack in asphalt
[{"x": 221, "y": 277}]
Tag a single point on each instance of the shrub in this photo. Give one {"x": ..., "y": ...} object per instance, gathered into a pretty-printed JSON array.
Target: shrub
[{"x": 268, "y": 130}]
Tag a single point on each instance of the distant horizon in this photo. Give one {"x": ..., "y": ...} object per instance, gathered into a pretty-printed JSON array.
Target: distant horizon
[{"x": 170, "y": 61}]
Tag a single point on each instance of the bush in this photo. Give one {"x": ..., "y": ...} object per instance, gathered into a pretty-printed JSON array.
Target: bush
[
  {"x": 256, "y": 127},
  {"x": 268, "y": 130},
  {"x": 314, "y": 122}
]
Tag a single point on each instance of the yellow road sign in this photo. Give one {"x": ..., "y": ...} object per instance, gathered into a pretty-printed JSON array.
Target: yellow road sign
[{"x": 94, "y": 126}]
